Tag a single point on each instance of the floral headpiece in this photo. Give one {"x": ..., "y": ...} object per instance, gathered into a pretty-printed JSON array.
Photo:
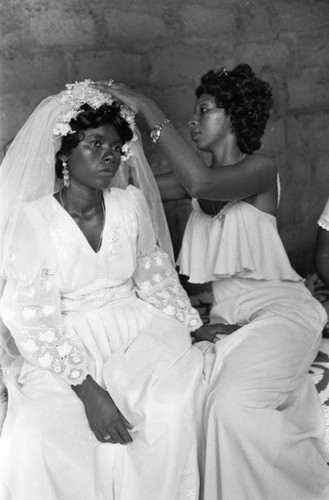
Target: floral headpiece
[{"x": 80, "y": 93}]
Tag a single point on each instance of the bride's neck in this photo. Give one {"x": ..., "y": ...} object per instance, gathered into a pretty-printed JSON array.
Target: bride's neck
[{"x": 81, "y": 201}]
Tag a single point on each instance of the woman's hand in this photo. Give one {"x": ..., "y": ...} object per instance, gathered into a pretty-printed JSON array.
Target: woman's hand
[
  {"x": 123, "y": 93},
  {"x": 211, "y": 332},
  {"x": 105, "y": 420}
]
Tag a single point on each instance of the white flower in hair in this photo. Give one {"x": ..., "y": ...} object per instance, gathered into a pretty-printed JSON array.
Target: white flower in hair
[
  {"x": 80, "y": 93},
  {"x": 126, "y": 150},
  {"x": 128, "y": 114}
]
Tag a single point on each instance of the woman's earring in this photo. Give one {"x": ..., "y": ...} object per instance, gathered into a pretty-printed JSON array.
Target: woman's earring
[{"x": 66, "y": 175}]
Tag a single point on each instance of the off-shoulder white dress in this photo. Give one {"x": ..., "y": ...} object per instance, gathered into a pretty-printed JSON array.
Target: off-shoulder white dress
[
  {"x": 119, "y": 314},
  {"x": 261, "y": 425}
]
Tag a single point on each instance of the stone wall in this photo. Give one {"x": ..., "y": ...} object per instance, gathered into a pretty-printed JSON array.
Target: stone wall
[{"x": 162, "y": 47}]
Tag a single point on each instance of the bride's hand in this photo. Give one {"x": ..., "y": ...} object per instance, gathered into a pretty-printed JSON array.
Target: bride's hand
[
  {"x": 123, "y": 93},
  {"x": 105, "y": 419}
]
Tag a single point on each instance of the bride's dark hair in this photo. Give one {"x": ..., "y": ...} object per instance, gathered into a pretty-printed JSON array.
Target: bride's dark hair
[{"x": 92, "y": 118}]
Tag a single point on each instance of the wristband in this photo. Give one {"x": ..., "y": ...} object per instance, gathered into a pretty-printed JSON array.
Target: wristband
[{"x": 156, "y": 132}]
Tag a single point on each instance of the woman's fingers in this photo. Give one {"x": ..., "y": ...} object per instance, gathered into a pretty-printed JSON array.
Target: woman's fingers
[
  {"x": 100, "y": 437},
  {"x": 121, "y": 92},
  {"x": 203, "y": 335},
  {"x": 123, "y": 434},
  {"x": 118, "y": 434},
  {"x": 105, "y": 87},
  {"x": 100, "y": 82},
  {"x": 116, "y": 437},
  {"x": 125, "y": 421},
  {"x": 211, "y": 332}
]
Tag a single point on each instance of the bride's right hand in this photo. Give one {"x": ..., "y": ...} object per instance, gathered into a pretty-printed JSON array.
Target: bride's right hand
[{"x": 105, "y": 419}]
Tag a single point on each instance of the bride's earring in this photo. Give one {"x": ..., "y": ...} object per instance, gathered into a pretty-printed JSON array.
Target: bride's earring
[{"x": 66, "y": 175}]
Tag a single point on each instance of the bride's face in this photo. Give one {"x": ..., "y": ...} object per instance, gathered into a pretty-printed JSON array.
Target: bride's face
[{"x": 95, "y": 160}]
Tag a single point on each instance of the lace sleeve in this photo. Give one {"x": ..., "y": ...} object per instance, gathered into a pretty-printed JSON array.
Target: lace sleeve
[
  {"x": 157, "y": 283},
  {"x": 31, "y": 311},
  {"x": 155, "y": 277}
]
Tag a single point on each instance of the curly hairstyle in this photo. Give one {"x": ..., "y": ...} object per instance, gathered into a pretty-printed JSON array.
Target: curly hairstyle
[
  {"x": 246, "y": 99},
  {"x": 92, "y": 118}
]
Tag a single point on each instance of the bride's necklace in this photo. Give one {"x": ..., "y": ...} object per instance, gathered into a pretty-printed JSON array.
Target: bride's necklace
[{"x": 102, "y": 219}]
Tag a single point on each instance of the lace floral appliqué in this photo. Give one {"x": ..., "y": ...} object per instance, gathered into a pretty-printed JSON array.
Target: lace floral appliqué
[
  {"x": 157, "y": 283},
  {"x": 35, "y": 320}
]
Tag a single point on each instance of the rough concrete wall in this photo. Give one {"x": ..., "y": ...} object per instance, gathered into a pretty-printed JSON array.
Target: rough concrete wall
[{"x": 162, "y": 47}]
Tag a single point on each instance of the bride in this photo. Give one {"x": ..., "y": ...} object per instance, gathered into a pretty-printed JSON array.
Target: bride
[{"x": 96, "y": 352}]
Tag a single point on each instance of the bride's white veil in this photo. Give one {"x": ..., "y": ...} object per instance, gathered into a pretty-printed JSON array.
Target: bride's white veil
[
  {"x": 28, "y": 170},
  {"x": 27, "y": 173}
]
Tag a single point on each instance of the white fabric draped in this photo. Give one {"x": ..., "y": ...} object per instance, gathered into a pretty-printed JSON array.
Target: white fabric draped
[
  {"x": 88, "y": 318},
  {"x": 261, "y": 423}
]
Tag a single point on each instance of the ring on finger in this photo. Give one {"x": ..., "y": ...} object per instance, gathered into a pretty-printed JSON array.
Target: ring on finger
[
  {"x": 107, "y": 437},
  {"x": 110, "y": 82}
]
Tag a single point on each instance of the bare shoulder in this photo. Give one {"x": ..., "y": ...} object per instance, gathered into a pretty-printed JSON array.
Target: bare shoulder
[
  {"x": 265, "y": 161},
  {"x": 264, "y": 168}
]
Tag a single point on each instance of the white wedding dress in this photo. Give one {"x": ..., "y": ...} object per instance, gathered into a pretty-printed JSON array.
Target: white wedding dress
[{"x": 119, "y": 314}]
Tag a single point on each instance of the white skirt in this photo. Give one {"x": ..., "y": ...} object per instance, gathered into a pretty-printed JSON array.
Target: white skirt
[
  {"x": 146, "y": 362},
  {"x": 261, "y": 422}
]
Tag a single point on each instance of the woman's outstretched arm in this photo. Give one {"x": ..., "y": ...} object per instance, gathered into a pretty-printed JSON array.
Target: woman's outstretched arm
[
  {"x": 169, "y": 187},
  {"x": 253, "y": 175}
]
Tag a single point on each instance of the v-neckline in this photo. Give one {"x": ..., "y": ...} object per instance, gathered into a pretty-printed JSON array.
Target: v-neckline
[{"x": 79, "y": 230}]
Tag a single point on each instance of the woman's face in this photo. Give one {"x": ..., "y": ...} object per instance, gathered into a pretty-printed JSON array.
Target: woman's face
[
  {"x": 95, "y": 160},
  {"x": 209, "y": 124}
]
